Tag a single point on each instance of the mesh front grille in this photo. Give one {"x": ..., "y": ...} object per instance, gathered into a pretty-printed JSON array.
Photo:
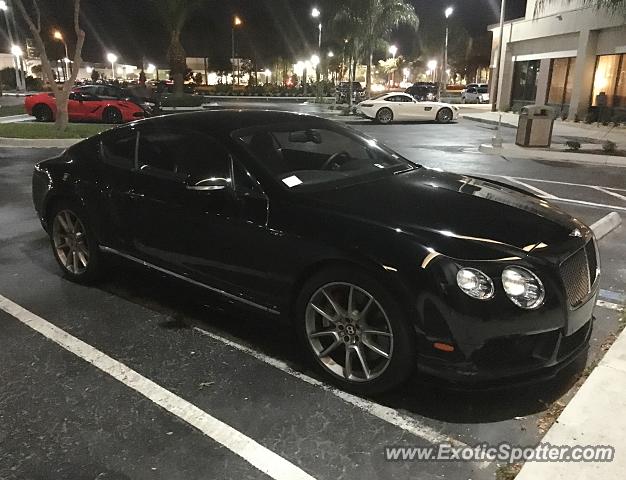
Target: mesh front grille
[{"x": 576, "y": 279}]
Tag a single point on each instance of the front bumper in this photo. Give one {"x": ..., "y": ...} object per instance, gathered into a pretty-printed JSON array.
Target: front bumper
[{"x": 496, "y": 341}]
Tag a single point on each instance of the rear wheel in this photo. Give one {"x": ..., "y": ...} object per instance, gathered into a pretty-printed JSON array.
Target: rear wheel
[
  {"x": 444, "y": 115},
  {"x": 384, "y": 116},
  {"x": 354, "y": 331},
  {"x": 42, "y": 113},
  {"x": 112, "y": 115},
  {"x": 73, "y": 243}
]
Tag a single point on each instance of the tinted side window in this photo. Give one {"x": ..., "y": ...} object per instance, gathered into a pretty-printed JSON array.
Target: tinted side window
[
  {"x": 119, "y": 149},
  {"x": 188, "y": 155}
]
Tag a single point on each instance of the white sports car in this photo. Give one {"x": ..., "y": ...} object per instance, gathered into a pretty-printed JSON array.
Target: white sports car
[{"x": 403, "y": 107}]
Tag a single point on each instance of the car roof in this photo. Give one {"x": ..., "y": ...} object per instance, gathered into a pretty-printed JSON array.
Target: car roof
[{"x": 228, "y": 120}]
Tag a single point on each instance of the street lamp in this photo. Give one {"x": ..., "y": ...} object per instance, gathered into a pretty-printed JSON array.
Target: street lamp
[
  {"x": 237, "y": 22},
  {"x": 112, "y": 58},
  {"x": 444, "y": 67},
  {"x": 393, "y": 50},
  {"x": 432, "y": 66}
]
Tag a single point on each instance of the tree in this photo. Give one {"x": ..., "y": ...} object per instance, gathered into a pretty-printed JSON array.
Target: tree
[
  {"x": 61, "y": 92},
  {"x": 374, "y": 20},
  {"x": 613, "y": 6},
  {"x": 95, "y": 75},
  {"x": 174, "y": 14}
]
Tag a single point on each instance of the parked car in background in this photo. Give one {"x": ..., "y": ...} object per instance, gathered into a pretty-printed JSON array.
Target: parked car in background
[
  {"x": 111, "y": 92},
  {"x": 342, "y": 92},
  {"x": 475, "y": 93},
  {"x": 84, "y": 107},
  {"x": 397, "y": 106},
  {"x": 422, "y": 91},
  {"x": 380, "y": 265}
]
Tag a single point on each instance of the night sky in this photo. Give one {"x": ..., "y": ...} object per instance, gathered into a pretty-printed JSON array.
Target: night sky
[{"x": 132, "y": 28}]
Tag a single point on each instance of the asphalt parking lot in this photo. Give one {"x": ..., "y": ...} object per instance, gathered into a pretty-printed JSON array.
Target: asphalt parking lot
[{"x": 121, "y": 405}]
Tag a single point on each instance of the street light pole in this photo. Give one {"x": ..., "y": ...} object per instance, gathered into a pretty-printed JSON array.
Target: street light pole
[
  {"x": 496, "y": 79},
  {"x": 59, "y": 36},
  {"x": 236, "y": 22},
  {"x": 316, "y": 13},
  {"x": 111, "y": 57},
  {"x": 444, "y": 67},
  {"x": 496, "y": 141}
]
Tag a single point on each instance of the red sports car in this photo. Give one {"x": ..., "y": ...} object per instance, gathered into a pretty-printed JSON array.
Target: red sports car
[{"x": 84, "y": 107}]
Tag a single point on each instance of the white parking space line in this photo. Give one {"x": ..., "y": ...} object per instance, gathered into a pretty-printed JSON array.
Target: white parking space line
[
  {"x": 616, "y": 189},
  {"x": 530, "y": 187},
  {"x": 609, "y": 192},
  {"x": 589, "y": 204},
  {"x": 386, "y": 414},
  {"x": 610, "y": 305},
  {"x": 257, "y": 455}
]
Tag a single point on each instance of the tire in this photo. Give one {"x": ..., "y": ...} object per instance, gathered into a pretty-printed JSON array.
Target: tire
[
  {"x": 384, "y": 116},
  {"x": 326, "y": 344},
  {"x": 444, "y": 115},
  {"x": 112, "y": 115},
  {"x": 42, "y": 113},
  {"x": 74, "y": 245}
]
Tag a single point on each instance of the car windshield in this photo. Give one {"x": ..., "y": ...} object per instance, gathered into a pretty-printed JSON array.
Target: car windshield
[{"x": 316, "y": 156}]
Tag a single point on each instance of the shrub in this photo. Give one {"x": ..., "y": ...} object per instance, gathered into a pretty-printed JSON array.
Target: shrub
[
  {"x": 573, "y": 145},
  {"x": 609, "y": 146}
]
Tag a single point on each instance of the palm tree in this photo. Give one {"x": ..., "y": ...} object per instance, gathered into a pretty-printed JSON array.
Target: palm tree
[
  {"x": 372, "y": 21},
  {"x": 174, "y": 14}
]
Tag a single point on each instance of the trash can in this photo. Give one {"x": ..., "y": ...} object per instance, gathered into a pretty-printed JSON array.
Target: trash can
[{"x": 535, "y": 126}]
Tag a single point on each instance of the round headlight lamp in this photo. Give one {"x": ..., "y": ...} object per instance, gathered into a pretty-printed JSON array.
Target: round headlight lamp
[
  {"x": 523, "y": 287},
  {"x": 475, "y": 283}
]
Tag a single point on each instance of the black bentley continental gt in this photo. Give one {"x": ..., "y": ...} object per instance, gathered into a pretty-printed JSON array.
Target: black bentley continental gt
[{"x": 380, "y": 265}]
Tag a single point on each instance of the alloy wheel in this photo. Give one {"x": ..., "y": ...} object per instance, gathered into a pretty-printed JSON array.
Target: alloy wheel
[
  {"x": 349, "y": 332},
  {"x": 384, "y": 115},
  {"x": 444, "y": 115},
  {"x": 70, "y": 242}
]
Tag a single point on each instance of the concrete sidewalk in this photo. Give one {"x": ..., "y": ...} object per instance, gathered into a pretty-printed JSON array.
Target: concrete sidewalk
[
  {"x": 595, "y": 132},
  {"x": 596, "y": 416}
]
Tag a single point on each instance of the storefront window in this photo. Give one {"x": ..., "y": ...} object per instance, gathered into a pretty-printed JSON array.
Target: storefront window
[
  {"x": 524, "y": 89},
  {"x": 561, "y": 82},
  {"x": 605, "y": 78}
]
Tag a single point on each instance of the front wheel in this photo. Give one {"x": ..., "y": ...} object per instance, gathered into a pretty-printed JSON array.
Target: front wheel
[
  {"x": 444, "y": 115},
  {"x": 384, "y": 116},
  {"x": 42, "y": 113},
  {"x": 112, "y": 115},
  {"x": 73, "y": 243},
  {"x": 355, "y": 332}
]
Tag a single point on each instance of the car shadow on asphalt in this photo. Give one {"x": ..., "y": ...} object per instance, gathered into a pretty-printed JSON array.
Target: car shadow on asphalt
[{"x": 187, "y": 306}]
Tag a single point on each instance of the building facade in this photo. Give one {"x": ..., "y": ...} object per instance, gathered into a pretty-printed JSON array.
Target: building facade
[{"x": 569, "y": 56}]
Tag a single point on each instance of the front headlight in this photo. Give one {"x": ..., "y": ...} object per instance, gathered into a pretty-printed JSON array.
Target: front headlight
[
  {"x": 523, "y": 287},
  {"x": 475, "y": 283}
]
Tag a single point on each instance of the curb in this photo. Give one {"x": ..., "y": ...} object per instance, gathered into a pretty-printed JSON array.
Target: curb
[
  {"x": 580, "y": 158},
  {"x": 606, "y": 225},
  {"x": 592, "y": 417},
  {"x": 486, "y": 120},
  {"x": 39, "y": 142}
]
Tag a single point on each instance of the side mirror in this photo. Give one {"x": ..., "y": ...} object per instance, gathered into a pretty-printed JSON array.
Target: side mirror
[{"x": 208, "y": 184}]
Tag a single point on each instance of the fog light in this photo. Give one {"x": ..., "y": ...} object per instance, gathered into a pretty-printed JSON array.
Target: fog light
[
  {"x": 475, "y": 283},
  {"x": 523, "y": 287}
]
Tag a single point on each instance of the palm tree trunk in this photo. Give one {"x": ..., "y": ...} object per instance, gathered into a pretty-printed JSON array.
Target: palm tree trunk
[{"x": 178, "y": 63}]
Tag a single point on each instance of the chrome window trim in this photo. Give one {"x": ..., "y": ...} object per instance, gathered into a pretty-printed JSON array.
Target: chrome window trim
[{"x": 189, "y": 280}]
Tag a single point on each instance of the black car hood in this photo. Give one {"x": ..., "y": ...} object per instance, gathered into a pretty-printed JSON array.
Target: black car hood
[{"x": 435, "y": 205}]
